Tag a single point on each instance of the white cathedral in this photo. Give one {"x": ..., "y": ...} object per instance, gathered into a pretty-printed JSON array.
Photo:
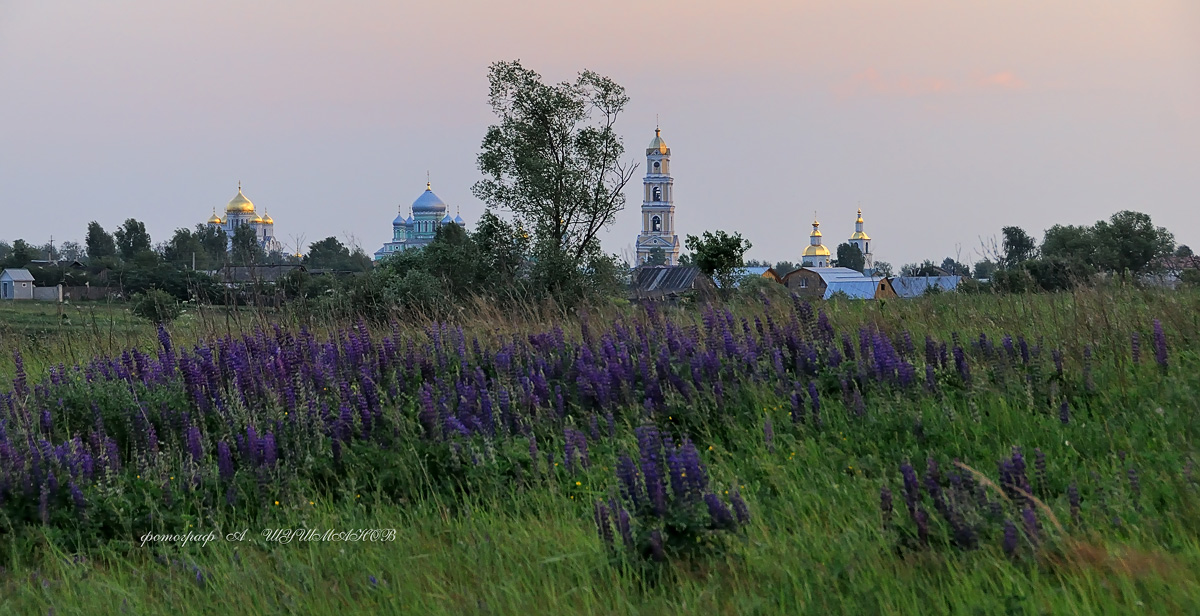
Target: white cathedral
[
  {"x": 658, "y": 205},
  {"x": 239, "y": 212}
]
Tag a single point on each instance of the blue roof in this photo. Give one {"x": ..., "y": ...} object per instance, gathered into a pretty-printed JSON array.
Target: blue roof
[
  {"x": 428, "y": 202},
  {"x": 915, "y": 286},
  {"x": 856, "y": 288}
]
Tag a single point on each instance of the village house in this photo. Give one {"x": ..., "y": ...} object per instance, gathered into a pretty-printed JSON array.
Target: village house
[{"x": 16, "y": 284}]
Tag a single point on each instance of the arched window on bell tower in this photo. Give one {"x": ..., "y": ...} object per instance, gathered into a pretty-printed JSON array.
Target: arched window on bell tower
[
  {"x": 657, "y": 194},
  {"x": 656, "y": 224}
]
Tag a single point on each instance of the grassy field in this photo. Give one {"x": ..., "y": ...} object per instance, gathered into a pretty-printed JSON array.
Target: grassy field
[{"x": 494, "y": 503}]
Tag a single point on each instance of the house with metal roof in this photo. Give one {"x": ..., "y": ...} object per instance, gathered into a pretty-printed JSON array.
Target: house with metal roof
[
  {"x": 823, "y": 282},
  {"x": 916, "y": 286},
  {"x": 860, "y": 288},
  {"x": 16, "y": 284},
  {"x": 667, "y": 282}
]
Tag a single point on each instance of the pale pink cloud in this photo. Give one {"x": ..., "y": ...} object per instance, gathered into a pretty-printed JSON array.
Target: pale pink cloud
[
  {"x": 1004, "y": 79},
  {"x": 873, "y": 82}
]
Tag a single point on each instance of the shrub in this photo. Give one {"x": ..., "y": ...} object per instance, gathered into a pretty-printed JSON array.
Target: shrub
[{"x": 156, "y": 305}]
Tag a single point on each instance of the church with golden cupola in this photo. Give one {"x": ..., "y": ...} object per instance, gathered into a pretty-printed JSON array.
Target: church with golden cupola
[
  {"x": 240, "y": 212},
  {"x": 816, "y": 254}
]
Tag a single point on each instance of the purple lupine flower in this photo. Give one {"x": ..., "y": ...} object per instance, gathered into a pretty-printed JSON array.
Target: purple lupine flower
[
  {"x": 194, "y": 446},
  {"x": 603, "y": 524},
  {"x": 797, "y": 409},
  {"x": 922, "y": 520},
  {"x": 930, "y": 379},
  {"x": 739, "y": 507},
  {"x": 627, "y": 474},
  {"x": 1031, "y": 524},
  {"x": 885, "y": 505},
  {"x": 1160, "y": 345},
  {"x": 769, "y": 435},
  {"x": 1135, "y": 344},
  {"x": 270, "y": 451},
  {"x": 224, "y": 461},
  {"x": 77, "y": 498},
  {"x": 718, "y": 512},
  {"x": 1058, "y": 361},
  {"x": 624, "y": 528},
  {"x": 1135, "y": 486},
  {"x": 1009, "y": 544},
  {"x": 960, "y": 362},
  {"x": 1064, "y": 413}
]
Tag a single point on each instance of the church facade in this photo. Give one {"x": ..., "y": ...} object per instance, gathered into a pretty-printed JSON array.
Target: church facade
[
  {"x": 240, "y": 212},
  {"x": 658, "y": 206},
  {"x": 426, "y": 214}
]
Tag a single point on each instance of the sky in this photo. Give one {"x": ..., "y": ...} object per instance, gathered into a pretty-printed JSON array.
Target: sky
[{"x": 943, "y": 119}]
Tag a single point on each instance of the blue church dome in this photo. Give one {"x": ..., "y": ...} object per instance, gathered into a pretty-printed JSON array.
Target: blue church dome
[
  {"x": 428, "y": 202},
  {"x": 410, "y": 221},
  {"x": 459, "y": 221},
  {"x": 400, "y": 221},
  {"x": 447, "y": 220}
]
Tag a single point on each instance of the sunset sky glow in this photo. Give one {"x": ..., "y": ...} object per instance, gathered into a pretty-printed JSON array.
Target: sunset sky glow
[{"x": 944, "y": 119}]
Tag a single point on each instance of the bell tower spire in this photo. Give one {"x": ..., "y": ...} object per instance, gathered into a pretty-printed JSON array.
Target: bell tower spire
[{"x": 658, "y": 207}]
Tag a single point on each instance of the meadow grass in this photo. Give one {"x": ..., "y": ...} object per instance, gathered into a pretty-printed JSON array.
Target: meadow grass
[{"x": 817, "y": 542}]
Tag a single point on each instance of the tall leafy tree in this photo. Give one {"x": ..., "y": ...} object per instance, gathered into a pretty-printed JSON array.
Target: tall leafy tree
[
  {"x": 503, "y": 246},
  {"x": 100, "y": 243},
  {"x": 215, "y": 244},
  {"x": 955, "y": 268},
  {"x": 21, "y": 254},
  {"x": 184, "y": 249},
  {"x": 71, "y": 251},
  {"x": 718, "y": 254},
  {"x": 1018, "y": 246},
  {"x": 657, "y": 256},
  {"x": 554, "y": 159},
  {"x": 329, "y": 253},
  {"x": 984, "y": 269},
  {"x": 1128, "y": 242},
  {"x": 849, "y": 255},
  {"x": 1070, "y": 243},
  {"x": 132, "y": 239},
  {"x": 245, "y": 249}
]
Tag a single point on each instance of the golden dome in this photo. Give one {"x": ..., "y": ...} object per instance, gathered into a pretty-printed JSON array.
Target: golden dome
[
  {"x": 257, "y": 219},
  {"x": 214, "y": 219},
  {"x": 816, "y": 251},
  {"x": 859, "y": 235},
  {"x": 239, "y": 203},
  {"x": 859, "y": 221},
  {"x": 816, "y": 232},
  {"x": 657, "y": 144},
  {"x": 267, "y": 219}
]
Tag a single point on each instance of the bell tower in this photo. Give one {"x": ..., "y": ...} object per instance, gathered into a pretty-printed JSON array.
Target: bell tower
[{"x": 658, "y": 205}]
